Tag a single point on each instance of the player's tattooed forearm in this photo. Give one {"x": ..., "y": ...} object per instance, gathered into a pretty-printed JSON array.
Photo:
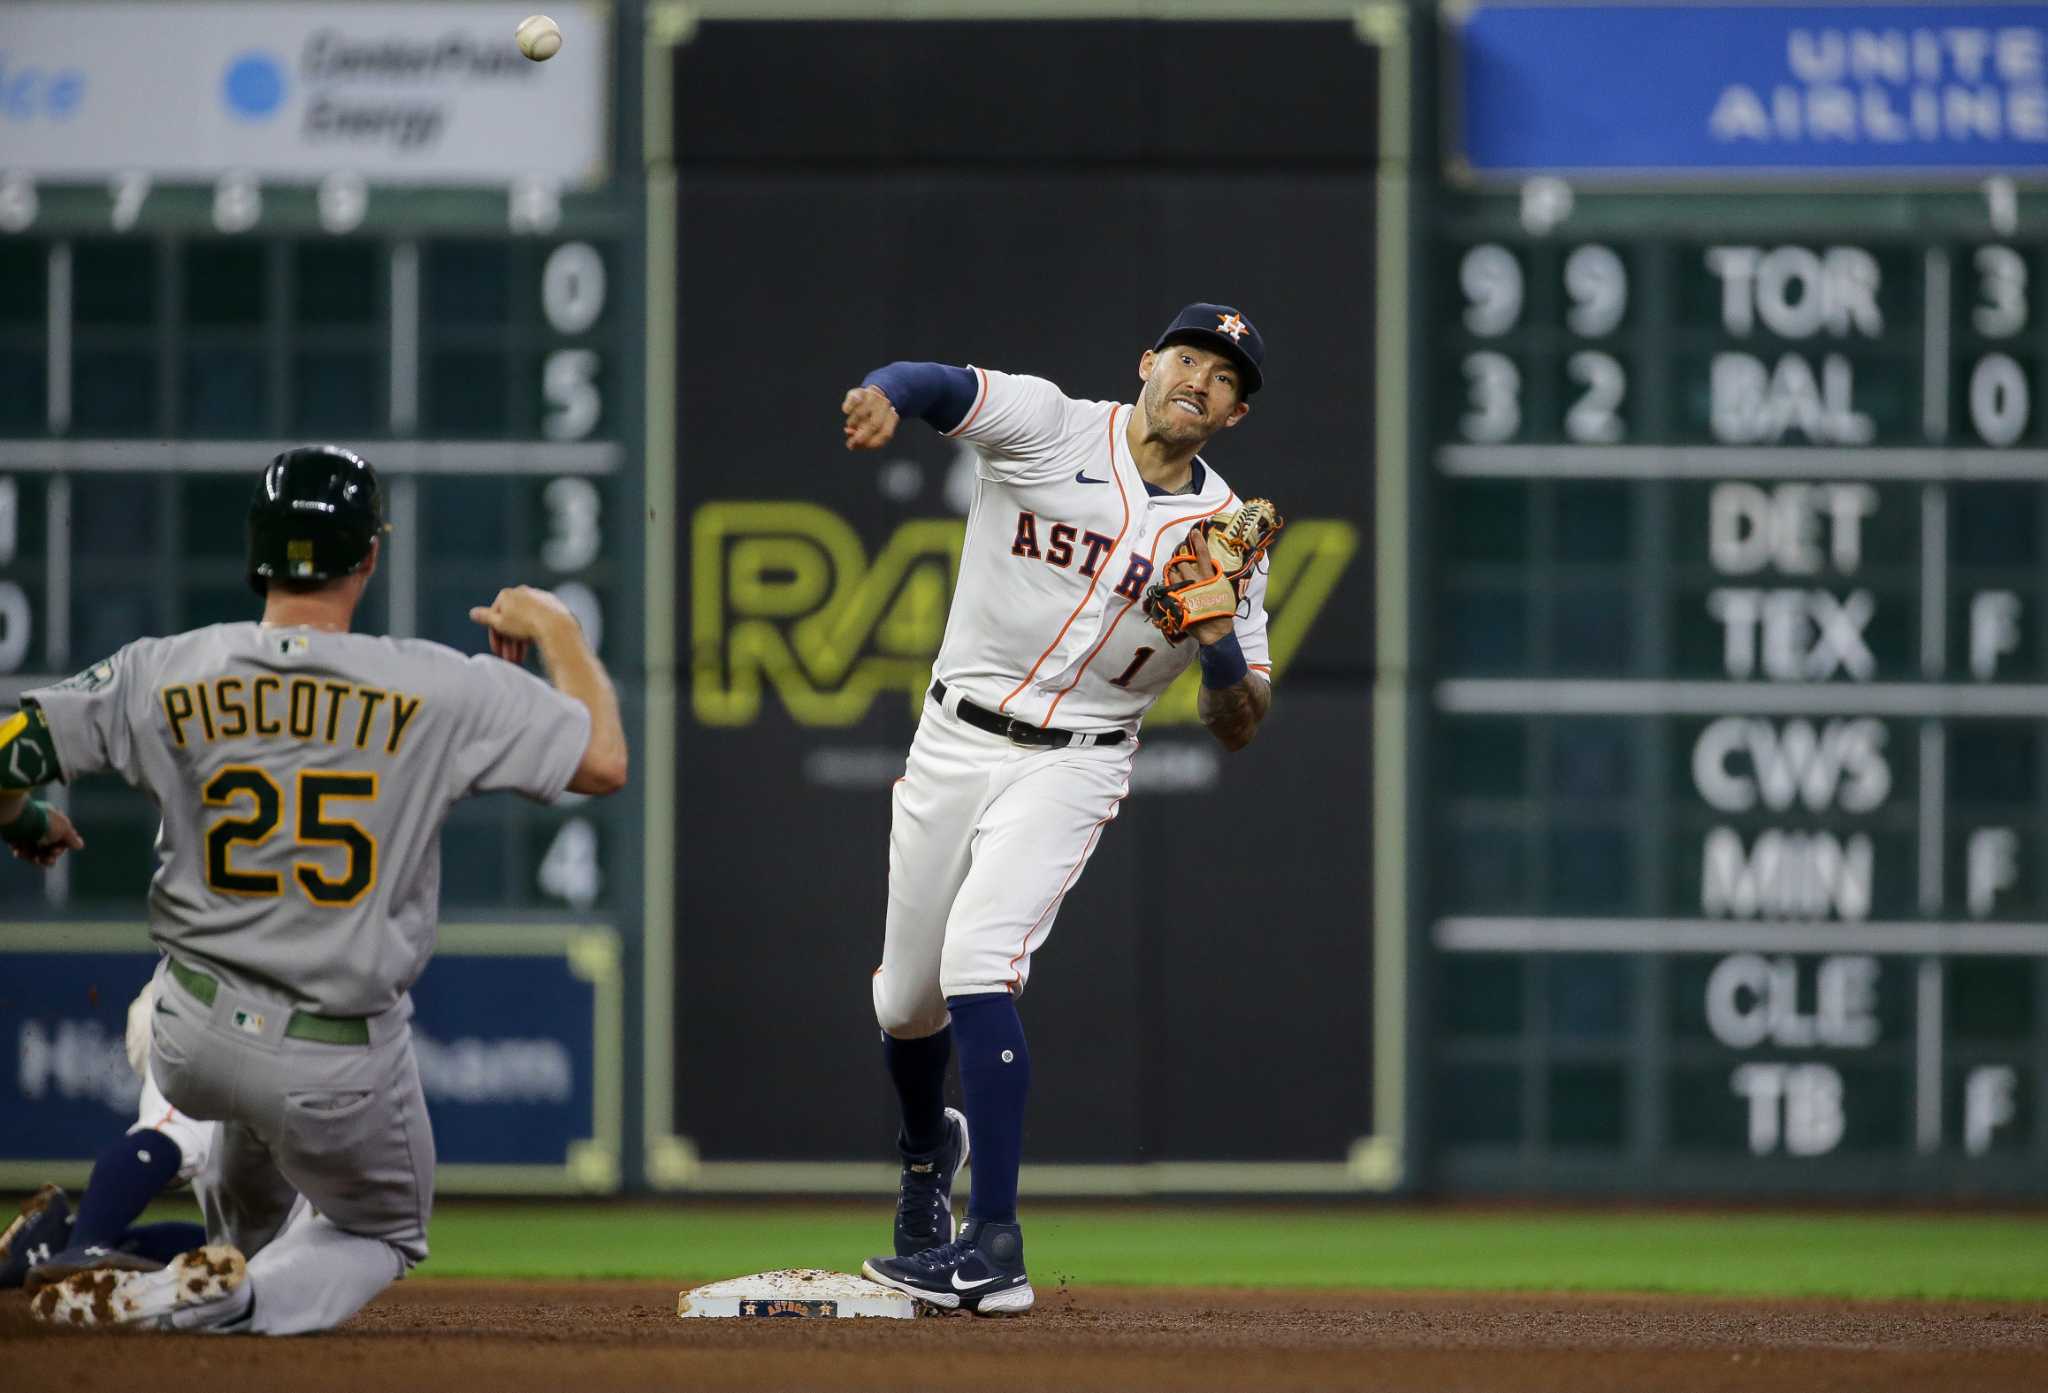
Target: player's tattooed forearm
[{"x": 1233, "y": 713}]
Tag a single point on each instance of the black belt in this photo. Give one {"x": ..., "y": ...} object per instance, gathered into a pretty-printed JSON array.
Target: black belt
[{"x": 1023, "y": 733}]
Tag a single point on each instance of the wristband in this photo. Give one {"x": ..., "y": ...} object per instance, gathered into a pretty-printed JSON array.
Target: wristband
[
  {"x": 30, "y": 825},
  {"x": 1223, "y": 663}
]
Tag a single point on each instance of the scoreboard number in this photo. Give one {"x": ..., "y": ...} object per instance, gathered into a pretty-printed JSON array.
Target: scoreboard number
[
  {"x": 344, "y": 199},
  {"x": 130, "y": 192},
  {"x": 1998, "y": 400},
  {"x": 17, "y": 202},
  {"x": 1495, "y": 396},
  {"x": 1492, "y": 281},
  {"x": 237, "y": 203},
  {"x": 1592, "y": 419},
  {"x": 2003, "y": 281},
  {"x": 574, "y": 535},
  {"x": 532, "y": 205},
  {"x": 572, "y": 287},
  {"x": 569, "y": 385},
  {"x": 570, "y": 870},
  {"x": 1597, "y": 282}
]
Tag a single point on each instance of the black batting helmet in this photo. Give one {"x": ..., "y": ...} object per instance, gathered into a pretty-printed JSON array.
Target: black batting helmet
[{"x": 316, "y": 511}]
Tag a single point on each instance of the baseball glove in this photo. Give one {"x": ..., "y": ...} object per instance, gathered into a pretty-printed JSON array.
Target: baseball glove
[{"x": 1224, "y": 550}]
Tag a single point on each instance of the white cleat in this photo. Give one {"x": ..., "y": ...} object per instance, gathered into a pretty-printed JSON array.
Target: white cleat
[{"x": 196, "y": 1290}]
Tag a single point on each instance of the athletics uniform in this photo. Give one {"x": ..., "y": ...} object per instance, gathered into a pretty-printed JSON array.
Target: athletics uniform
[{"x": 303, "y": 775}]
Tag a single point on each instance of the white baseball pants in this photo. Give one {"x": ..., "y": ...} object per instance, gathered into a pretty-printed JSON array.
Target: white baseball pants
[{"x": 986, "y": 839}]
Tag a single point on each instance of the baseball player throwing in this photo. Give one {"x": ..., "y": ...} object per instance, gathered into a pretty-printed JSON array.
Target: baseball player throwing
[
  {"x": 1103, "y": 556},
  {"x": 303, "y": 772}
]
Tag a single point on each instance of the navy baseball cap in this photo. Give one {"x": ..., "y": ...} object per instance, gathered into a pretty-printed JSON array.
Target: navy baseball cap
[{"x": 1227, "y": 331}]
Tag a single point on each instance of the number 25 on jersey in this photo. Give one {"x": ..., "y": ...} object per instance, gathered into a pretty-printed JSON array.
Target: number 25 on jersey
[{"x": 252, "y": 792}]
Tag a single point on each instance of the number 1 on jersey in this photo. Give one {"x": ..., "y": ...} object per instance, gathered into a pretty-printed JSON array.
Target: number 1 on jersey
[{"x": 1138, "y": 660}]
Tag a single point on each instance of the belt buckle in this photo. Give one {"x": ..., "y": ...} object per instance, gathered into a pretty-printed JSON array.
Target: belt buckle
[{"x": 1019, "y": 733}]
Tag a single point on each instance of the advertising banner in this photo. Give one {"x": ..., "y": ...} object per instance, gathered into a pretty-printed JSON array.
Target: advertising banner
[
  {"x": 517, "y": 1033},
  {"x": 394, "y": 93},
  {"x": 1720, "y": 90}
]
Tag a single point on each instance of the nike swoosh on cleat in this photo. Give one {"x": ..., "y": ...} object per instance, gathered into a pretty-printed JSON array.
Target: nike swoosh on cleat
[
  {"x": 959, "y": 1285},
  {"x": 1081, "y": 477}
]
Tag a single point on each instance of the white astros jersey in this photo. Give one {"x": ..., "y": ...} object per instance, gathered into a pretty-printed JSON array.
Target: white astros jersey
[
  {"x": 1048, "y": 623},
  {"x": 303, "y": 777}
]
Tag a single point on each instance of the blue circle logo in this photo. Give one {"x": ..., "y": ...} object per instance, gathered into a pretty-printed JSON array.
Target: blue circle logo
[{"x": 253, "y": 86}]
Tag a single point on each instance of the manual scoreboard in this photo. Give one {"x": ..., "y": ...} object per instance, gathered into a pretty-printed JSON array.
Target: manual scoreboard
[
  {"x": 158, "y": 342},
  {"x": 1737, "y": 769}
]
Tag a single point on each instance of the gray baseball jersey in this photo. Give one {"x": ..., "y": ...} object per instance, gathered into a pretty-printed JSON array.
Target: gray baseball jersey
[{"x": 303, "y": 777}]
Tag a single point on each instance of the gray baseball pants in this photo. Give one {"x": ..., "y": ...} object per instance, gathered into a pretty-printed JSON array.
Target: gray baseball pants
[{"x": 343, "y": 1125}]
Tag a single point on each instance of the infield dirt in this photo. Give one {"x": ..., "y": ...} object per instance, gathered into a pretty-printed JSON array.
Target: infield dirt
[{"x": 593, "y": 1336}]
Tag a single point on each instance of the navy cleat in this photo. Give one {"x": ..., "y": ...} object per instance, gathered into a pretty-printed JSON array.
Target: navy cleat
[
  {"x": 88, "y": 1257},
  {"x": 42, "y": 1228},
  {"x": 924, "y": 1202},
  {"x": 981, "y": 1271}
]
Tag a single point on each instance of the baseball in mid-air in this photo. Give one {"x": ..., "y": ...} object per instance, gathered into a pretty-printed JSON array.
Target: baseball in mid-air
[{"x": 540, "y": 38}]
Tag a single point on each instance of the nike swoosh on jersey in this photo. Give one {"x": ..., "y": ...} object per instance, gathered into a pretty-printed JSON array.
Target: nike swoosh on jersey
[
  {"x": 1081, "y": 477},
  {"x": 959, "y": 1285}
]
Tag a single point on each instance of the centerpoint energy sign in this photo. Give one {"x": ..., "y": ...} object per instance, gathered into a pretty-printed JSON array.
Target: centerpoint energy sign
[{"x": 393, "y": 92}]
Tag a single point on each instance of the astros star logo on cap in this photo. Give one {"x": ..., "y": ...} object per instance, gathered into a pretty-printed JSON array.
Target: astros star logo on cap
[{"x": 1233, "y": 325}]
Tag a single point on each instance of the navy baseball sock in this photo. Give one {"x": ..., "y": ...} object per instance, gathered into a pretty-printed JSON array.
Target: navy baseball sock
[
  {"x": 162, "y": 1242},
  {"x": 995, "y": 1076},
  {"x": 127, "y": 1176},
  {"x": 918, "y": 1069}
]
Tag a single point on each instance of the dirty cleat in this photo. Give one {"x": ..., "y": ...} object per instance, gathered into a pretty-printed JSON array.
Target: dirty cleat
[
  {"x": 90, "y": 1257},
  {"x": 981, "y": 1271},
  {"x": 195, "y": 1290},
  {"x": 924, "y": 1201},
  {"x": 42, "y": 1227}
]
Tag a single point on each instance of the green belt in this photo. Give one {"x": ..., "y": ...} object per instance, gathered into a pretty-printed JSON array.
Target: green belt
[{"x": 303, "y": 1025}]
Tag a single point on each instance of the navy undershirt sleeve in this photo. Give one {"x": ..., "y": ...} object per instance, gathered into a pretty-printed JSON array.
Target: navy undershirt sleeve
[{"x": 935, "y": 392}]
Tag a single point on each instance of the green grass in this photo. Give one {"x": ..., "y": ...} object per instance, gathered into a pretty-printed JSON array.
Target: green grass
[{"x": 1863, "y": 1255}]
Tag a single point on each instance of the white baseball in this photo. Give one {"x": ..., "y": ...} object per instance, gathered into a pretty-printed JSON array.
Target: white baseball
[{"x": 540, "y": 38}]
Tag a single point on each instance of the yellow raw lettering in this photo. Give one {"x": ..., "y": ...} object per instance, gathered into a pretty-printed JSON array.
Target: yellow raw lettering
[{"x": 784, "y": 597}]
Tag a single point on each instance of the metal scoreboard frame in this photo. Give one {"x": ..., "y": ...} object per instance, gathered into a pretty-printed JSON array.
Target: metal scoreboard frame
[{"x": 1736, "y": 1007}]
